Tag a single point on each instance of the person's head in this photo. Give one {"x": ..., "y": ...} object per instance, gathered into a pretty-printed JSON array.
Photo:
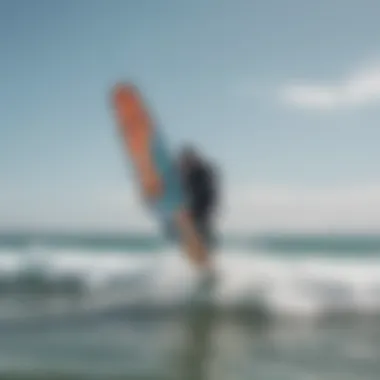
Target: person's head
[{"x": 188, "y": 157}]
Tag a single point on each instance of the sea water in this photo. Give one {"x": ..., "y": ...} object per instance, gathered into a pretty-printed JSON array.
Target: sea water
[{"x": 104, "y": 306}]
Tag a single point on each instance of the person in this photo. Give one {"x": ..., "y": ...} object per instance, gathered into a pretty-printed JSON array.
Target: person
[{"x": 200, "y": 186}]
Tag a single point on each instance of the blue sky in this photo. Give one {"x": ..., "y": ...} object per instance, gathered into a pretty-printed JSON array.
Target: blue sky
[{"x": 278, "y": 93}]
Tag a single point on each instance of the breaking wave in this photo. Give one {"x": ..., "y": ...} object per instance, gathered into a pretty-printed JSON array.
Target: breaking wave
[{"x": 78, "y": 281}]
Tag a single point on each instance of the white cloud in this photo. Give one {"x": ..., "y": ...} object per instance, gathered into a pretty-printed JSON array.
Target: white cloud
[
  {"x": 361, "y": 87},
  {"x": 246, "y": 209}
]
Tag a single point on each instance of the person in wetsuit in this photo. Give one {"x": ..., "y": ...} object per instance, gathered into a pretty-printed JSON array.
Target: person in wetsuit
[{"x": 201, "y": 190}]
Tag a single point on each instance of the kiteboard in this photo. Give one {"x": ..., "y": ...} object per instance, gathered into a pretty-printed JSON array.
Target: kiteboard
[{"x": 144, "y": 144}]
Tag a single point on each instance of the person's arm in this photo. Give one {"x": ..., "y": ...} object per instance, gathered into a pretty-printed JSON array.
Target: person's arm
[{"x": 191, "y": 241}]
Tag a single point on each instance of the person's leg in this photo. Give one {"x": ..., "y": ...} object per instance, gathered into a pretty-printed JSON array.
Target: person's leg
[
  {"x": 197, "y": 244},
  {"x": 192, "y": 241},
  {"x": 204, "y": 223},
  {"x": 178, "y": 227}
]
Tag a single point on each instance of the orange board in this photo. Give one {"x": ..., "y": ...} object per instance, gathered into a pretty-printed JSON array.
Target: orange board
[{"x": 149, "y": 155}]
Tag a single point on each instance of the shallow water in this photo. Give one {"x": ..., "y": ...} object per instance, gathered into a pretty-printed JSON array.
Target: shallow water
[{"x": 201, "y": 344}]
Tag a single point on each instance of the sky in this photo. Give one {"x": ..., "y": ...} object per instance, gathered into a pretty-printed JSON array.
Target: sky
[{"x": 283, "y": 96}]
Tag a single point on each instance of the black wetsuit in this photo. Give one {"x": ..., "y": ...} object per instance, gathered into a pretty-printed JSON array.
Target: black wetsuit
[{"x": 200, "y": 187}]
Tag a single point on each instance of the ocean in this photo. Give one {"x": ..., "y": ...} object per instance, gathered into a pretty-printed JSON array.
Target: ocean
[{"x": 102, "y": 306}]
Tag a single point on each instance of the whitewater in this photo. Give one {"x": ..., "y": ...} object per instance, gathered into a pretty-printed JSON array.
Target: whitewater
[{"x": 82, "y": 280}]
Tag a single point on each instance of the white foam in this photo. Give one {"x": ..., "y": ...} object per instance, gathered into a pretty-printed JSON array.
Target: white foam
[{"x": 306, "y": 286}]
